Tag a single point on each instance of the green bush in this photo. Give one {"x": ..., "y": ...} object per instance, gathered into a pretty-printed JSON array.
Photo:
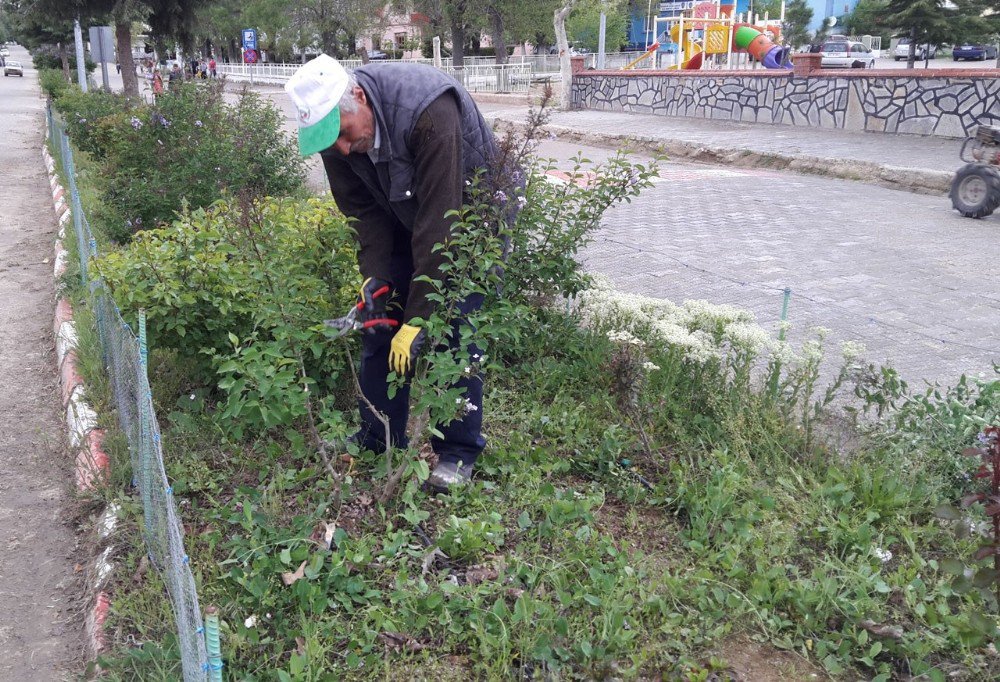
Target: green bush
[
  {"x": 188, "y": 149},
  {"x": 240, "y": 292},
  {"x": 53, "y": 83},
  {"x": 47, "y": 57},
  {"x": 85, "y": 115}
]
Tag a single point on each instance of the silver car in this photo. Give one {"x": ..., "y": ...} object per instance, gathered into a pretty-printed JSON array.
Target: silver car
[
  {"x": 13, "y": 69},
  {"x": 846, "y": 54},
  {"x": 920, "y": 52}
]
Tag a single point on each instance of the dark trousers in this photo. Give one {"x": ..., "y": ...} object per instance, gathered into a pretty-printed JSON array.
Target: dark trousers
[{"x": 463, "y": 439}]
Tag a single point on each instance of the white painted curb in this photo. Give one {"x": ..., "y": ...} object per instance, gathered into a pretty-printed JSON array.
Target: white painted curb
[{"x": 92, "y": 463}]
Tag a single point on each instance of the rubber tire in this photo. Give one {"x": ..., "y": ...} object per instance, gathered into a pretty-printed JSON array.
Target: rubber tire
[
  {"x": 896, "y": 58},
  {"x": 991, "y": 176}
]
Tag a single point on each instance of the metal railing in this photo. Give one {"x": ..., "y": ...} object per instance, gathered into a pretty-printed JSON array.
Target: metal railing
[{"x": 504, "y": 78}]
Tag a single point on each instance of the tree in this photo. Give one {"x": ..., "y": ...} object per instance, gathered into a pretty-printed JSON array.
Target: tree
[
  {"x": 583, "y": 26},
  {"x": 456, "y": 15},
  {"x": 565, "y": 69},
  {"x": 798, "y": 16},
  {"x": 868, "y": 18},
  {"x": 922, "y": 21}
]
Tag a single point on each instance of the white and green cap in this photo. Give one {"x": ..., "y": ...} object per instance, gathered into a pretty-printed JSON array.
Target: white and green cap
[{"x": 316, "y": 88}]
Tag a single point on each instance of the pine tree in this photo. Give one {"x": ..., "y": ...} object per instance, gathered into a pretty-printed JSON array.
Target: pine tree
[
  {"x": 798, "y": 16},
  {"x": 922, "y": 21}
]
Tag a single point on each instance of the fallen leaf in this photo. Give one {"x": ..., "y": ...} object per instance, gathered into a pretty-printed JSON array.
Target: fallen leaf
[
  {"x": 140, "y": 570},
  {"x": 79, "y": 567},
  {"x": 397, "y": 641},
  {"x": 364, "y": 500},
  {"x": 292, "y": 578},
  {"x": 346, "y": 459},
  {"x": 514, "y": 592},
  {"x": 322, "y": 533},
  {"x": 429, "y": 559},
  {"x": 890, "y": 631},
  {"x": 45, "y": 260},
  {"x": 300, "y": 646},
  {"x": 480, "y": 574}
]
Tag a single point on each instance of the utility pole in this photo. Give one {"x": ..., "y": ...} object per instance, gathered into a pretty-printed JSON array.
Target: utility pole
[
  {"x": 81, "y": 68},
  {"x": 600, "y": 38}
]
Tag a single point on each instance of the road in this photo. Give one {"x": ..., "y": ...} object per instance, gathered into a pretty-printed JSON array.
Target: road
[
  {"x": 901, "y": 273},
  {"x": 40, "y": 605}
]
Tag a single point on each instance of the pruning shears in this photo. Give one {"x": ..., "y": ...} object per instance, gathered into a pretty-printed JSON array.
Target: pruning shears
[{"x": 350, "y": 323}]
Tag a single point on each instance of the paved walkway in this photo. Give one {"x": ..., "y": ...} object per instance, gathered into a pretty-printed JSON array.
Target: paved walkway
[
  {"x": 899, "y": 272},
  {"x": 912, "y": 162},
  {"x": 40, "y": 602}
]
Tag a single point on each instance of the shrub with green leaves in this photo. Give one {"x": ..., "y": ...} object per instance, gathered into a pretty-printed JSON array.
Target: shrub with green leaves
[
  {"x": 53, "y": 82},
  {"x": 86, "y": 115},
  {"x": 188, "y": 149},
  {"x": 47, "y": 57},
  {"x": 240, "y": 291}
]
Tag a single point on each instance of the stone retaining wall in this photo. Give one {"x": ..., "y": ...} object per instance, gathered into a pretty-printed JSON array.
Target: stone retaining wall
[{"x": 944, "y": 102}]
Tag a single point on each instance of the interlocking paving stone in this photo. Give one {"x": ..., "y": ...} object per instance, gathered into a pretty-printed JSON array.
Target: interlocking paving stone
[{"x": 902, "y": 273}]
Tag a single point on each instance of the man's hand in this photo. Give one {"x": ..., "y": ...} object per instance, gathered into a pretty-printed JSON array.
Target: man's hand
[
  {"x": 371, "y": 305},
  {"x": 405, "y": 348}
]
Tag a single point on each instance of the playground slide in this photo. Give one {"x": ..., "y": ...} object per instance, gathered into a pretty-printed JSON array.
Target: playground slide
[
  {"x": 692, "y": 51},
  {"x": 761, "y": 48}
]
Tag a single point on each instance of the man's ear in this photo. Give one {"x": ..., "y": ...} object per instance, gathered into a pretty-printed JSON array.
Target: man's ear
[{"x": 359, "y": 94}]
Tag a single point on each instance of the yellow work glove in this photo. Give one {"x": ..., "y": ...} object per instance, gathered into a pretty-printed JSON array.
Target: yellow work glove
[{"x": 405, "y": 348}]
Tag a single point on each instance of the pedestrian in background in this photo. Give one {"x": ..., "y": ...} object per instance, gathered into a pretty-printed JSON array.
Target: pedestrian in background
[
  {"x": 212, "y": 66},
  {"x": 176, "y": 76},
  {"x": 157, "y": 84}
]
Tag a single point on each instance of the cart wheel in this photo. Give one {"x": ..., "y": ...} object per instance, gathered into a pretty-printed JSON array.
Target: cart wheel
[{"x": 975, "y": 191}]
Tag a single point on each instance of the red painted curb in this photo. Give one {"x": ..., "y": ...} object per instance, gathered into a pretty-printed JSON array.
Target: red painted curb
[
  {"x": 69, "y": 377},
  {"x": 95, "y": 622},
  {"x": 64, "y": 313},
  {"x": 92, "y": 463}
]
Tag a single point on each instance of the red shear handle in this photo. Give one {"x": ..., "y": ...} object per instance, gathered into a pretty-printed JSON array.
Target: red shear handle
[{"x": 383, "y": 320}]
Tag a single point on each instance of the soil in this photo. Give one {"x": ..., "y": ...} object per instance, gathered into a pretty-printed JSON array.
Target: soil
[
  {"x": 763, "y": 663},
  {"x": 41, "y": 607}
]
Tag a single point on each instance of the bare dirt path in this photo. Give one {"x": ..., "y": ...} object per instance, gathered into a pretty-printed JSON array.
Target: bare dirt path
[{"x": 40, "y": 610}]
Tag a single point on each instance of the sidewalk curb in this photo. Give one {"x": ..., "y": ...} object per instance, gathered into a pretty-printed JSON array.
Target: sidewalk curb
[
  {"x": 914, "y": 180},
  {"x": 92, "y": 463}
]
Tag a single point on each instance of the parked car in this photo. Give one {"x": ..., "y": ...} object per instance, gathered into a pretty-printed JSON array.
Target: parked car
[
  {"x": 846, "y": 54},
  {"x": 377, "y": 55},
  {"x": 978, "y": 52},
  {"x": 12, "y": 68},
  {"x": 902, "y": 51}
]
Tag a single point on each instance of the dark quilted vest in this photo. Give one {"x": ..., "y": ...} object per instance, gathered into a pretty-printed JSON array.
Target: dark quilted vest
[{"x": 399, "y": 93}]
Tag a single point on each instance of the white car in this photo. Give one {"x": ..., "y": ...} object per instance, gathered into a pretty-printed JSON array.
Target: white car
[
  {"x": 13, "y": 69},
  {"x": 921, "y": 52},
  {"x": 846, "y": 54}
]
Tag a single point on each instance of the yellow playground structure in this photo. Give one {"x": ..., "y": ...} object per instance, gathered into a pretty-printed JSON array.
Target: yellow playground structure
[{"x": 712, "y": 28}]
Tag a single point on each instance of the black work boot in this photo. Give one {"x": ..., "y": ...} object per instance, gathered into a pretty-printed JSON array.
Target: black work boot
[{"x": 448, "y": 475}]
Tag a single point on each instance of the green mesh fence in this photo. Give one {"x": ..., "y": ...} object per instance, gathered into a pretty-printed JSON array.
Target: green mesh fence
[{"x": 124, "y": 356}]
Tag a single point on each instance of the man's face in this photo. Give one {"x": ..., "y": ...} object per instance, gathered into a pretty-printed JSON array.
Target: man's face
[{"x": 357, "y": 128}]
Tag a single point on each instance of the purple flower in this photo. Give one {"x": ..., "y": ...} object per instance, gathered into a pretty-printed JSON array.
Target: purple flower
[
  {"x": 500, "y": 196},
  {"x": 198, "y": 123},
  {"x": 136, "y": 123},
  {"x": 82, "y": 120}
]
